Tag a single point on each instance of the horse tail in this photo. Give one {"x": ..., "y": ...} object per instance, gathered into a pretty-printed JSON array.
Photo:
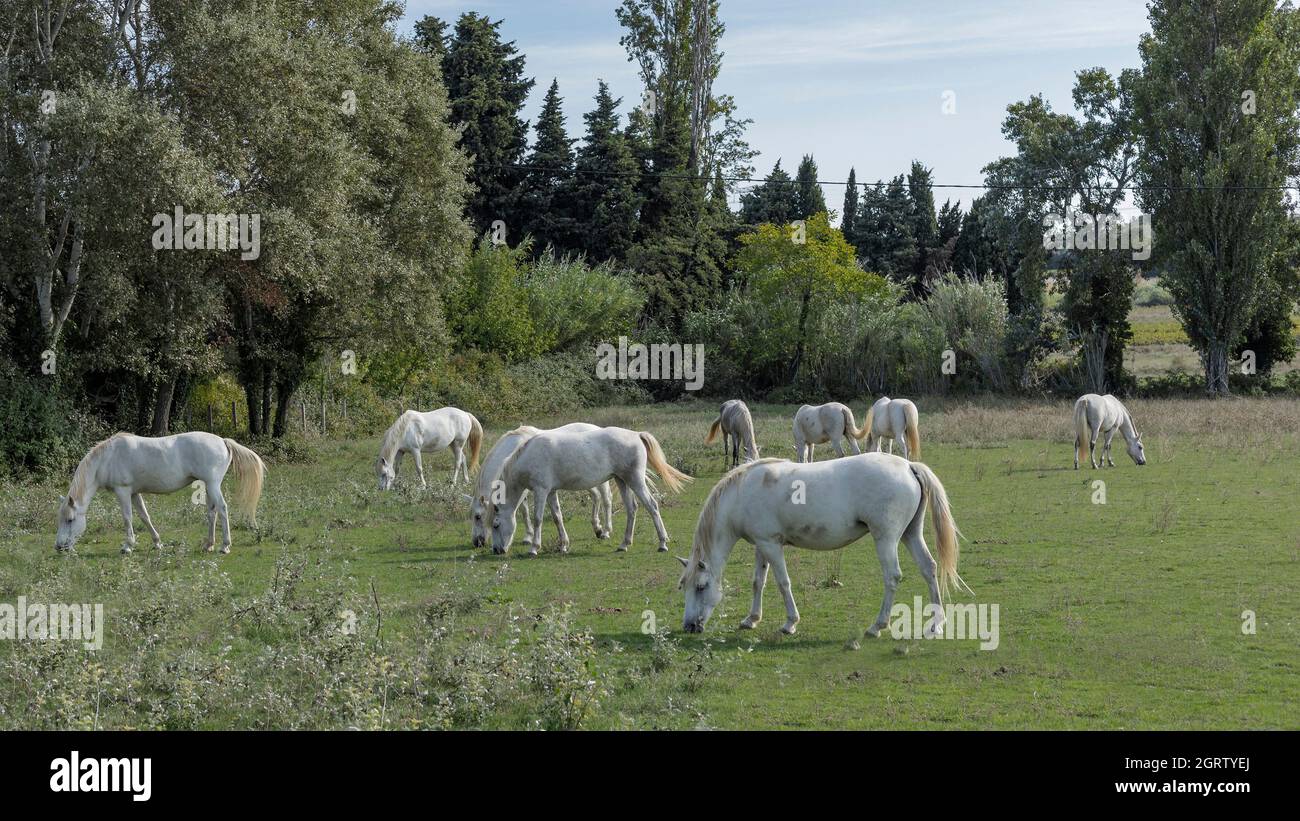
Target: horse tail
[
  {"x": 672, "y": 477},
  {"x": 945, "y": 528},
  {"x": 853, "y": 430},
  {"x": 713, "y": 430},
  {"x": 865, "y": 430},
  {"x": 912, "y": 432},
  {"x": 1082, "y": 432},
  {"x": 475, "y": 441},
  {"x": 250, "y": 470}
]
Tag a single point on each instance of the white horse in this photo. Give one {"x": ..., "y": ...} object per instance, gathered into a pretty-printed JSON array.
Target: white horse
[
  {"x": 841, "y": 501},
  {"x": 1094, "y": 415},
  {"x": 416, "y": 433},
  {"x": 577, "y": 460},
  {"x": 895, "y": 420},
  {"x": 734, "y": 421},
  {"x": 602, "y": 498},
  {"x": 818, "y": 424},
  {"x": 131, "y": 465}
]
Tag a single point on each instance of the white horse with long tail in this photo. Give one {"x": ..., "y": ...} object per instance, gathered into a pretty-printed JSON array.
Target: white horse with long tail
[
  {"x": 602, "y": 498},
  {"x": 417, "y": 433},
  {"x": 818, "y": 424},
  {"x": 735, "y": 423},
  {"x": 577, "y": 460},
  {"x": 1095, "y": 415},
  {"x": 827, "y": 505},
  {"x": 130, "y": 465},
  {"x": 895, "y": 420}
]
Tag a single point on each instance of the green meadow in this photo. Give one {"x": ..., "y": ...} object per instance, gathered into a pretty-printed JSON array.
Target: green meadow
[{"x": 1167, "y": 598}]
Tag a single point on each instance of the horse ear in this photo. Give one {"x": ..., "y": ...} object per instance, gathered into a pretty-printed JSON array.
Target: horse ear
[
  {"x": 683, "y": 561},
  {"x": 468, "y": 498}
]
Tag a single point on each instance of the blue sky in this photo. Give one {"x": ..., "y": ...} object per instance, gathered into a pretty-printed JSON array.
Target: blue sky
[{"x": 854, "y": 83}]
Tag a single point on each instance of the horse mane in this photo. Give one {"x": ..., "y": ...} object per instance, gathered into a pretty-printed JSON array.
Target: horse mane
[
  {"x": 85, "y": 468},
  {"x": 394, "y": 434},
  {"x": 709, "y": 513},
  {"x": 483, "y": 478}
]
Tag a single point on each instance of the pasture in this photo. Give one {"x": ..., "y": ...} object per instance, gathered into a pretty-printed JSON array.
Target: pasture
[{"x": 355, "y": 608}]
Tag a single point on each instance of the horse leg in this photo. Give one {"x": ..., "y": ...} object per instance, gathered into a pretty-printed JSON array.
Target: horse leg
[
  {"x": 1106, "y": 452},
  {"x": 554, "y": 503},
  {"x": 915, "y": 538},
  {"x": 760, "y": 580},
  {"x": 1094, "y": 432},
  {"x": 775, "y": 556},
  {"x": 607, "y": 504},
  {"x": 541, "y": 498},
  {"x": 458, "y": 451},
  {"x": 629, "y": 507},
  {"x": 419, "y": 466},
  {"x": 599, "y": 502},
  {"x": 144, "y": 514},
  {"x": 529, "y": 538},
  {"x": 124, "y": 499},
  {"x": 902, "y": 444},
  {"x": 839, "y": 449},
  {"x": 212, "y": 527},
  {"x": 735, "y": 451},
  {"x": 643, "y": 493},
  {"x": 887, "y": 552},
  {"x": 219, "y": 502},
  {"x": 726, "y": 451}
]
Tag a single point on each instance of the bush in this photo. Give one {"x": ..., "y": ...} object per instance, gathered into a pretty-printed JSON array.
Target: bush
[
  {"x": 1149, "y": 293},
  {"x": 40, "y": 431}
]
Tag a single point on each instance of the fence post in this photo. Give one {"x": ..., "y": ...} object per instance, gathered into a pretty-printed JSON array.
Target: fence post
[
  {"x": 234, "y": 415},
  {"x": 211, "y": 427}
]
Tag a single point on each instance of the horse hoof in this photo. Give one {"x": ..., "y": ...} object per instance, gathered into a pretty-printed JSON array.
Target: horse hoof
[
  {"x": 788, "y": 629},
  {"x": 748, "y": 624},
  {"x": 621, "y": 549},
  {"x": 225, "y": 549},
  {"x": 126, "y": 549},
  {"x": 532, "y": 553},
  {"x": 873, "y": 631},
  {"x": 663, "y": 548}
]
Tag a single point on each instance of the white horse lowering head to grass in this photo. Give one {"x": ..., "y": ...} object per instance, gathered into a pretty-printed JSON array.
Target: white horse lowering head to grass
[
  {"x": 577, "y": 460},
  {"x": 772, "y": 503},
  {"x": 895, "y": 420},
  {"x": 490, "y": 487},
  {"x": 131, "y": 465},
  {"x": 417, "y": 433},
  {"x": 735, "y": 422},
  {"x": 818, "y": 424},
  {"x": 1094, "y": 415}
]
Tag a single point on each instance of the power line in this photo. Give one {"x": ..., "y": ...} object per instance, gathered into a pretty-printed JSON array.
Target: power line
[{"x": 671, "y": 175}]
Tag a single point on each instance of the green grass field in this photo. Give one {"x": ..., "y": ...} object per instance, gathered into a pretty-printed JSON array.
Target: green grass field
[{"x": 1127, "y": 614}]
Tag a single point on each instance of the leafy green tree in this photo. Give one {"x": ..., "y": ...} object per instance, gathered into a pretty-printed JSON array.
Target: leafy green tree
[
  {"x": 849, "y": 216},
  {"x": 924, "y": 224},
  {"x": 775, "y": 200},
  {"x": 487, "y": 89},
  {"x": 809, "y": 198},
  {"x": 546, "y": 196},
  {"x": 1216, "y": 108},
  {"x": 605, "y": 199}
]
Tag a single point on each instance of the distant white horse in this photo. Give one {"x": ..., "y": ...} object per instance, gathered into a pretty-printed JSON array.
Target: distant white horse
[
  {"x": 416, "y": 433},
  {"x": 131, "y": 465},
  {"x": 577, "y": 460},
  {"x": 1094, "y": 415},
  {"x": 602, "y": 498},
  {"x": 818, "y": 424},
  {"x": 735, "y": 422},
  {"x": 895, "y": 420},
  {"x": 841, "y": 501}
]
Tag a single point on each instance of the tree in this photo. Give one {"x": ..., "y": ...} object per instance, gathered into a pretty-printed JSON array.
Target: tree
[
  {"x": 1216, "y": 107},
  {"x": 924, "y": 225},
  {"x": 808, "y": 196},
  {"x": 605, "y": 198},
  {"x": 775, "y": 200},
  {"x": 849, "y": 216},
  {"x": 547, "y": 192},
  {"x": 487, "y": 88}
]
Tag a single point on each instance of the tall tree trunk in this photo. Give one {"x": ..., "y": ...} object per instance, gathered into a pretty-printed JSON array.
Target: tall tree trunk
[
  {"x": 284, "y": 390},
  {"x": 253, "y": 395},
  {"x": 162, "y": 407},
  {"x": 1215, "y": 360}
]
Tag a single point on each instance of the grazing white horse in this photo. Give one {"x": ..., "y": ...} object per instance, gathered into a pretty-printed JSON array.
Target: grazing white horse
[
  {"x": 895, "y": 420},
  {"x": 838, "y": 502},
  {"x": 416, "y": 433},
  {"x": 602, "y": 498},
  {"x": 130, "y": 465},
  {"x": 1094, "y": 415},
  {"x": 577, "y": 460},
  {"x": 818, "y": 424},
  {"x": 734, "y": 421}
]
